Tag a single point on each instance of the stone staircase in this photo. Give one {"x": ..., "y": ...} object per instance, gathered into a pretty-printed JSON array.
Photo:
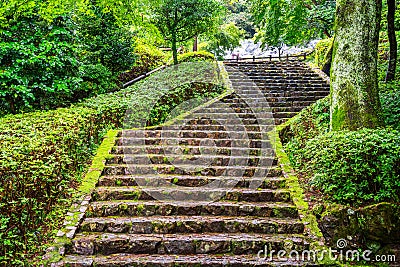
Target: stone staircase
[{"x": 205, "y": 190}]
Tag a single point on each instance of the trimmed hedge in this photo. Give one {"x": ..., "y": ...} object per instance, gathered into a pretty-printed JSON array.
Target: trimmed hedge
[
  {"x": 43, "y": 153},
  {"x": 196, "y": 57}
]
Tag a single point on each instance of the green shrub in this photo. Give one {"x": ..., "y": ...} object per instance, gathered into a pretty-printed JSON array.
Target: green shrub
[
  {"x": 38, "y": 67},
  {"x": 321, "y": 50},
  {"x": 309, "y": 123},
  {"x": 196, "y": 57},
  {"x": 390, "y": 100},
  {"x": 355, "y": 167},
  {"x": 97, "y": 79},
  {"x": 103, "y": 41}
]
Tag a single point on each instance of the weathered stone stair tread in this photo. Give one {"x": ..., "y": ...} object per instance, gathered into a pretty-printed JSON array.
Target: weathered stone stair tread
[
  {"x": 220, "y": 208},
  {"x": 194, "y": 150},
  {"x": 179, "y": 192},
  {"x": 190, "y": 141},
  {"x": 154, "y": 260},
  {"x": 170, "y": 131},
  {"x": 184, "y": 244},
  {"x": 212, "y": 159},
  {"x": 192, "y": 224},
  {"x": 187, "y": 169},
  {"x": 187, "y": 180}
]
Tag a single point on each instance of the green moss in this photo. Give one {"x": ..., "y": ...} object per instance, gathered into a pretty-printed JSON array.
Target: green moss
[
  {"x": 292, "y": 183},
  {"x": 91, "y": 178}
]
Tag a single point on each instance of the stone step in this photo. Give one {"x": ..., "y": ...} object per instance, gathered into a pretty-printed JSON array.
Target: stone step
[
  {"x": 211, "y": 110},
  {"x": 277, "y": 79},
  {"x": 169, "y": 158},
  {"x": 179, "y": 193},
  {"x": 183, "y": 244},
  {"x": 192, "y": 150},
  {"x": 203, "y": 142},
  {"x": 285, "y": 93},
  {"x": 187, "y": 180},
  {"x": 192, "y": 224},
  {"x": 154, "y": 260},
  {"x": 287, "y": 75},
  {"x": 187, "y": 169},
  {"x": 176, "y": 131},
  {"x": 191, "y": 208}
]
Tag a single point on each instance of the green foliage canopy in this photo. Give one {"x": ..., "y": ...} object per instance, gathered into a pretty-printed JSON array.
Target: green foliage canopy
[{"x": 292, "y": 22}]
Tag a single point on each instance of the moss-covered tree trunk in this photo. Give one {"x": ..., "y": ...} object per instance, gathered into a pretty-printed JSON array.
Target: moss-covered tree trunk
[{"x": 354, "y": 86}]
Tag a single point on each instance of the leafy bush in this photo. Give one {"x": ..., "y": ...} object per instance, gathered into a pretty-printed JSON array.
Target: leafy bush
[
  {"x": 390, "y": 100},
  {"x": 349, "y": 167},
  {"x": 42, "y": 152},
  {"x": 97, "y": 79},
  {"x": 321, "y": 50},
  {"x": 309, "y": 123},
  {"x": 38, "y": 67},
  {"x": 102, "y": 40},
  {"x": 355, "y": 167},
  {"x": 148, "y": 58},
  {"x": 196, "y": 57}
]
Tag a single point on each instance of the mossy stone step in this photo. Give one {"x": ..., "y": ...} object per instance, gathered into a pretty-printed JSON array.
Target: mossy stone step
[
  {"x": 186, "y": 169},
  {"x": 187, "y": 208},
  {"x": 212, "y": 159},
  {"x": 176, "y": 131},
  {"x": 184, "y": 244},
  {"x": 191, "y": 150},
  {"x": 192, "y": 224},
  {"x": 192, "y": 181},
  {"x": 180, "y": 193},
  {"x": 132, "y": 260},
  {"x": 244, "y": 141}
]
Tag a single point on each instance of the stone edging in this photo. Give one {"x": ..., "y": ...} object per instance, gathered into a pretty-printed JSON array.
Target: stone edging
[
  {"x": 76, "y": 213},
  {"x": 297, "y": 194}
]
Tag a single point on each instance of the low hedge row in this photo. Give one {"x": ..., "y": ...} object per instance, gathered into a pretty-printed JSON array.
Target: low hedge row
[{"x": 42, "y": 152}]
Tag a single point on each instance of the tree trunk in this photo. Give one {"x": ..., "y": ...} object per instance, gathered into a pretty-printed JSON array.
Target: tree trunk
[
  {"x": 391, "y": 72},
  {"x": 174, "y": 50},
  {"x": 354, "y": 84},
  {"x": 195, "y": 44}
]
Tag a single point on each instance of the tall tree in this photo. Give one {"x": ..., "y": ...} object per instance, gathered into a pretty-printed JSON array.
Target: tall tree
[
  {"x": 354, "y": 87},
  {"x": 391, "y": 72},
  {"x": 182, "y": 20}
]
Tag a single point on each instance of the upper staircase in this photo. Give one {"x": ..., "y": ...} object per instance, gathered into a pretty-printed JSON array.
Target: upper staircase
[
  {"x": 289, "y": 86},
  {"x": 207, "y": 189}
]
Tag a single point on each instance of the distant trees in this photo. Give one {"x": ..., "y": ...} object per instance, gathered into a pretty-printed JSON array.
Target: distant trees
[
  {"x": 292, "y": 22},
  {"x": 182, "y": 20},
  {"x": 226, "y": 38}
]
